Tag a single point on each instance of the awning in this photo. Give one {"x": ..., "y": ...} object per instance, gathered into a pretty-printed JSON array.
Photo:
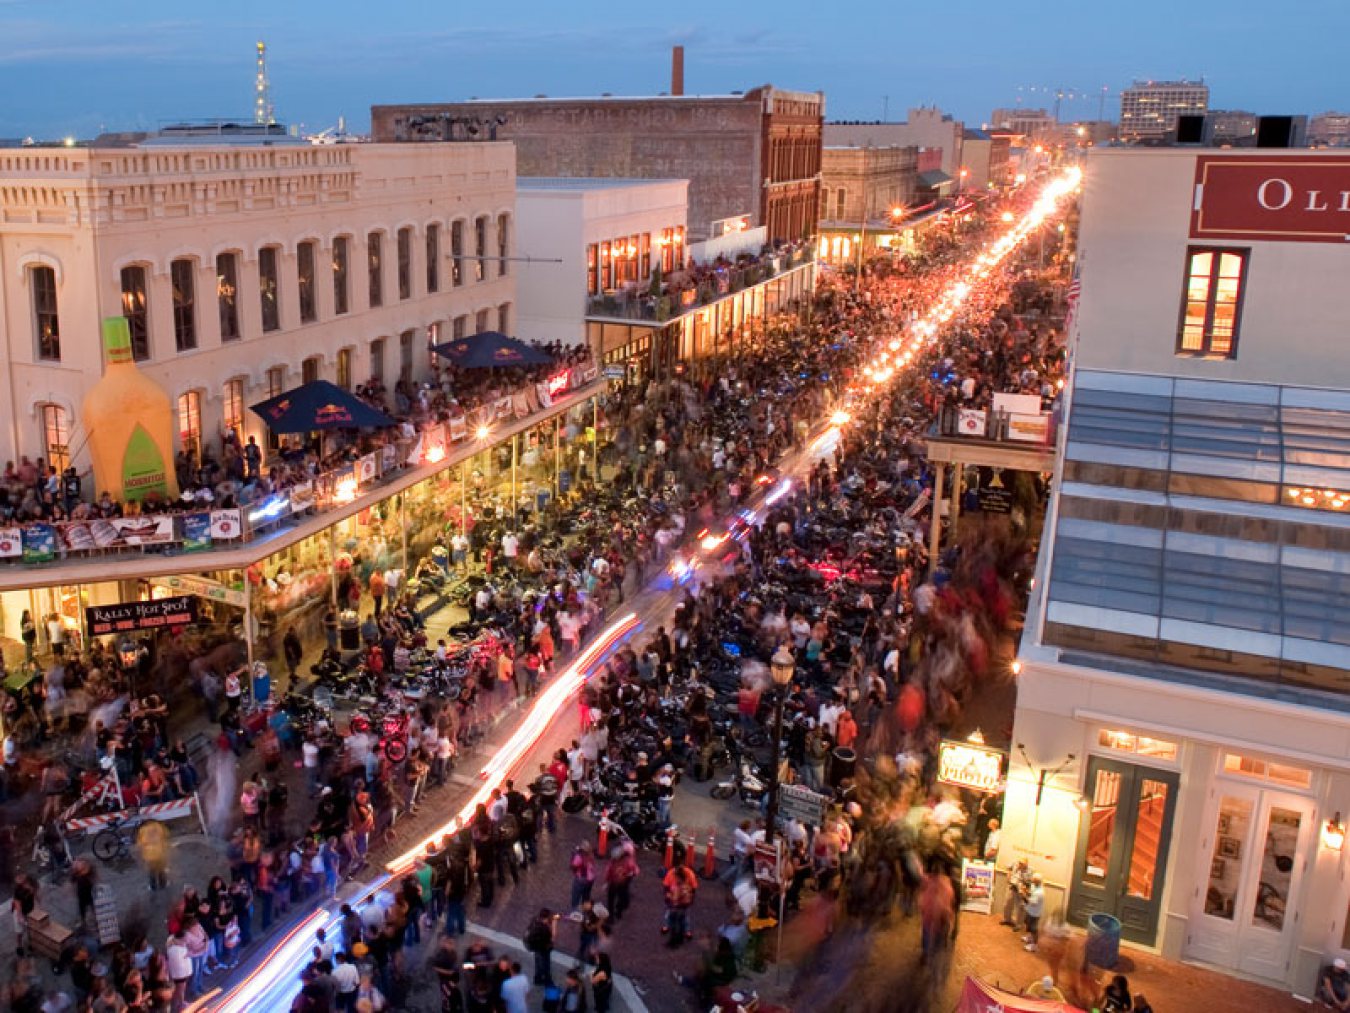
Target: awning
[
  {"x": 935, "y": 178},
  {"x": 319, "y": 405},
  {"x": 489, "y": 349}
]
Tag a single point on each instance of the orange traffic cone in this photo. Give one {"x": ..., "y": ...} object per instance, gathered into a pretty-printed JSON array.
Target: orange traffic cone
[
  {"x": 669, "y": 863},
  {"x": 690, "y": 852},
  {"x": 710, "y": 858},
  {"x": 602, "y": 848}
]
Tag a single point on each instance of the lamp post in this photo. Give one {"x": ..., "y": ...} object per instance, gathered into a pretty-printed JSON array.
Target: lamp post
[{"x": 781, "y": 667}]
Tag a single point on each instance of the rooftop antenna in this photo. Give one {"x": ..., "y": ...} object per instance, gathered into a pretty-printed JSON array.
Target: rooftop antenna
[{"x": 262, "y": 92}]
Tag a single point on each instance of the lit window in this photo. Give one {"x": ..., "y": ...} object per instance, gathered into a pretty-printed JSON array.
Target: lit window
[
  {"x": 1139, "y": 745},
  {"x": 190, "y": 423},
  {"x": 405, "y": 263},
  {"x": 1212, "y": 302},
  {"x": 1266, "y": 770},
  {"x": 136, "y": 308},
  {"x": 304, "y": 269},
  {"x": 227, "y": 296},
  {"x": 184, "y": 284},
  {"x": 503, "y": 243},
  {"x": 56, "y": 436},
  {"x": 480, "y": 248},
  {"x": 344, "y": 368},
  {"x": 46, "y": 323},
  {"x": 373, "y": 277},
  {"x": 269, "y": 278},
  {"x": 457, "y": 253},
  {"x": 233, "y": 408},
  {"x": 340, "y": 275}
]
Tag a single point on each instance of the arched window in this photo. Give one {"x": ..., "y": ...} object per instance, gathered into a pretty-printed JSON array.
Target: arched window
[
  {"x": 136, "y": 308},
  {"x": 46, "y": 320},
  {"x": 183, "y": 278},
  {"x": 55, "y": 425}
]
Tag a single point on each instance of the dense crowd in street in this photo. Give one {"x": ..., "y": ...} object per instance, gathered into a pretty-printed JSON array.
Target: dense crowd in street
[{"x": 884, "y": 656}]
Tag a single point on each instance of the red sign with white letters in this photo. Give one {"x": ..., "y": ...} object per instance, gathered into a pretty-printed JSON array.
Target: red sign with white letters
[{"x": 1293, "y": 198}]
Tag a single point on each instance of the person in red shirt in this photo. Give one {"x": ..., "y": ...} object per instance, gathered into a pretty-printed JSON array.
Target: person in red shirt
[
  {"x": 846, "y": 731},
  {"x": 680, "y": 886}
]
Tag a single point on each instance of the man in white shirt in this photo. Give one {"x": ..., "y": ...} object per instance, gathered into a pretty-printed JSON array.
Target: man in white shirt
[
  {"x": 347, "y": 978},
  {"x": 829, "y": 716},
  {"x": 510, "y": 548},
  {"x": 516, "y": 991},
  {"x": 310, "y": 753}
]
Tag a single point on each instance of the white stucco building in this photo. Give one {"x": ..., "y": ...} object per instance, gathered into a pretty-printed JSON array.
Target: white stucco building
[
  {"x": 584, "y": 237},
  {"x": 1186, "y": 658},
  {"x": 244, "y": 268}
]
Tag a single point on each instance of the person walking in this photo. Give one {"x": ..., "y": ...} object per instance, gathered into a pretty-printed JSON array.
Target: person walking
[
  {"x": 377, "y": 589},
  {"x": 619, "y": 876},
  {"x": 153, "y": 840},
  {"x": 937, "y": 905},
  {"x": 293, "y": 650},
  {"x": 680, "y": 887},
  {"x": 583, "y": 874}
]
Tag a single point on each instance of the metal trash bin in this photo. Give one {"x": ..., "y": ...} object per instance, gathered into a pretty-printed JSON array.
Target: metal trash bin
[
  {"x": 1103, "y": 940},
  {"x": 842, "y": 764},
  {"x": 349, "y": 630}
]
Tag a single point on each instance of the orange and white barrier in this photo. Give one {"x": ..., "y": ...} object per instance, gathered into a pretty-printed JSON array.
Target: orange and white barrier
[{"x": 160, "y": 811}]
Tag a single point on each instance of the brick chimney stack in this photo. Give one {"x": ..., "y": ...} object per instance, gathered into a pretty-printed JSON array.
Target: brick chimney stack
[{"x": 677, "y": 70}]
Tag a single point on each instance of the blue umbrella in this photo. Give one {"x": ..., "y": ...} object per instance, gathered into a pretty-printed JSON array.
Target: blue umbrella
[
  {"x": 319, "y": 405},
  {"x": 491, "y": 348}
]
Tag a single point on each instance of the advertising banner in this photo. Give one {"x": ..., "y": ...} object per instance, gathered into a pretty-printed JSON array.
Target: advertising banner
[
  {"x": 977, "y": 886},
  {"x": 39, "y": 543},
  {"x": 11, "y": 542},
  {"x": 184, "y": 583},
  {"x": 503, "y": 407},
  {"x": 76, "y": 536},
  {"x": 520, "y": 404},
  {"x": 971, "y": 422},
  {"x": 302, "y": 497},
  {"x": 129, "y": 616},
  {"x": 225, "y": 525},
  {"x": 459, "y": 428},
  {"x": 545, "y": 398},
  {"x": 368, "y": 469},
  {"x": 196, "y": 532},
  {"x": 977, "y": 997},
  {"x": 156, "y": 529}
]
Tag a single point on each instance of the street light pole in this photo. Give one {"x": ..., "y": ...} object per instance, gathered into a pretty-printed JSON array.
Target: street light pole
[{"x": 780, "y": 667}]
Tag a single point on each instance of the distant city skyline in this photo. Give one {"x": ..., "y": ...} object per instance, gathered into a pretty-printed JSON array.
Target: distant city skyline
[{"x": 77, "y": 67}]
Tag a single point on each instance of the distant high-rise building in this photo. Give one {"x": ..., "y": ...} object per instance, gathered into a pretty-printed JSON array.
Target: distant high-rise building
[
  {"x": 1149, "y": 109},
  {"x": 1028, "y": 122},
  {"x": 1330, "y": 128},
  {"x": 1230, "y": 126}
]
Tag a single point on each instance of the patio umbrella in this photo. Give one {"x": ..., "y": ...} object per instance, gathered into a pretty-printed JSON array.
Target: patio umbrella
[
  {"x": 319, "y": 405},
  {"x": 489, "y": 349}
]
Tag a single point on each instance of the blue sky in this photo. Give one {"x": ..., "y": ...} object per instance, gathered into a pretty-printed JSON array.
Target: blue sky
[{"x": 78, "y": 66}]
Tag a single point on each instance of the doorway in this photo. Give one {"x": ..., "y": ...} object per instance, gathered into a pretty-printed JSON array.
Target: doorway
[
  {"x": 1245, "y": 918},
  {"x": 1123, "y": 848}
]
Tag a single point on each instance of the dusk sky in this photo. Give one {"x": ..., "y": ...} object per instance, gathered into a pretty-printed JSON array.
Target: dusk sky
[{"x": 81, "y": 66}]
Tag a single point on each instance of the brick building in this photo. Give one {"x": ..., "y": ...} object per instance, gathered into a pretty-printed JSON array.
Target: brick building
[{"x": 755, "y": 154}]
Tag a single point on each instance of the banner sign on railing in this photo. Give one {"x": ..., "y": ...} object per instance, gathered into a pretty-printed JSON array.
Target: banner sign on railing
[
  {"x": 225, "y": 525},
  {"x": 11, "y": 542},
  {"x": 459, "y": 428},
  {"x": 503, "y": 407},
  {"x": 39, "y": 543},
  {"x": 185, "y": 583},
  {"x": 368, "y": 469},
  {"x": 196, "y": 532},
  {"x": 302, "y": 497},
  {"x": 129, "y": 616}
]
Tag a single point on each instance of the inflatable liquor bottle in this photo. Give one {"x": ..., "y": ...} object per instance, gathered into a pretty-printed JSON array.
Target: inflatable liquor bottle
[{"x": 129, "y": 420}]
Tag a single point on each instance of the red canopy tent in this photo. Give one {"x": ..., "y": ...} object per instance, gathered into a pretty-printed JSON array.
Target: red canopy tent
[{"x": 977, "y": 997}]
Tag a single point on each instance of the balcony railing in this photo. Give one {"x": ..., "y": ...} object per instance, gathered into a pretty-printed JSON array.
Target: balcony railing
[
  {"x": 673, "y": 300},
  {"x": 214, "y": 529}
]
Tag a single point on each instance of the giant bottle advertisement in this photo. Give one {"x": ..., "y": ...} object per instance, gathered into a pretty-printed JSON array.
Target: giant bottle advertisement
[{"x": 129, "y": 419}]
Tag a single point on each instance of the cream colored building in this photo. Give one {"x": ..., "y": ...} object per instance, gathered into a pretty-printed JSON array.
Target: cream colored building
[
  {"x": 1182, "y": 757},
  {"x": 245, "y": 268}
]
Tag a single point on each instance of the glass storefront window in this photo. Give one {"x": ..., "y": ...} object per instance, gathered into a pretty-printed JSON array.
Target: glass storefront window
[
  {"x": 1102, "y": 828},
  {"x": 1277, "y": 868},
  {"x": 1225, "y": 867},
  {"x": 1264, "y": 770},
  {"x": 1140, "y": 745},
  {"x": 1148, "y": 823}
]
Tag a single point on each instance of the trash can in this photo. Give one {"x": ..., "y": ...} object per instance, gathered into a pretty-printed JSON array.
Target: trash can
[
  {"x": 842, "y": 764},
  {"x": 349, "y": 630},
  {"x": 1103, "y": 940}
]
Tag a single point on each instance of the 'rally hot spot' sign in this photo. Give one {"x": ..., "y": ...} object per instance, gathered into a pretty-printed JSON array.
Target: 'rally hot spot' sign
[{"x": 126, "y": 617}]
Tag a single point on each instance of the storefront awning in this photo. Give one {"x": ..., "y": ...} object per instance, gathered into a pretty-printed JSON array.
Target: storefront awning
[{"x": 935, "y": 178}]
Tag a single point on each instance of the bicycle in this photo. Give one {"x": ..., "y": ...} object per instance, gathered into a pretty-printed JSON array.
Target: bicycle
[{"x": 113, "y": 843}]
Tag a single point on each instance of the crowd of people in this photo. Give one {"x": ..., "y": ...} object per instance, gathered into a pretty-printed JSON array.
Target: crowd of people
[{"x": 682, "y": 452}]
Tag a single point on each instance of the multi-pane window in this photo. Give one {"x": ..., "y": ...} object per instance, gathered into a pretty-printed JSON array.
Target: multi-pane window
[
  {"x": 56, "y": 436},
  {"x": 503, "y": 243},
  {"x": 136, "y": 308},
  {"x": 309, "y": 369},
  {"x": 377, "y": 360},
  {"x": 269, "y": 284},
  {"x": 190, "y": 423},
  {"x": 340, "y": 275},
  {"x": 460, "y": 328},
  {"x": 405, "y": 356},
  {"x": 480, "y": 248},
  {"x": 304, "y": 270},
  {"x": 481, "y": 322},
  {"x": 405, "y": 263},
  {"x": 227, "y": 295},
  {"x": 1212, "y": 302},
  {"x": 344, "y": 368},
  {"x": 184, "y": 283},
  {"x": 433, "y": 258},
  {"x": 232, "y": 408},
  {"x": 593, "y": 269},
  {"x": 374, "y": 242},
  {"x": 667, "y": 250},
  {"x": 839, "y": 196},
  {"x": 46, "y": 322},
  {"x": 606, "y": 268},
  {"x": 679, "y": 247},
  {"x": 457, "y": 253},
  {"x": 645, "y": 251},
  {"x": 504, "y": 318},
  {"x": 276, "y": 381}
]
